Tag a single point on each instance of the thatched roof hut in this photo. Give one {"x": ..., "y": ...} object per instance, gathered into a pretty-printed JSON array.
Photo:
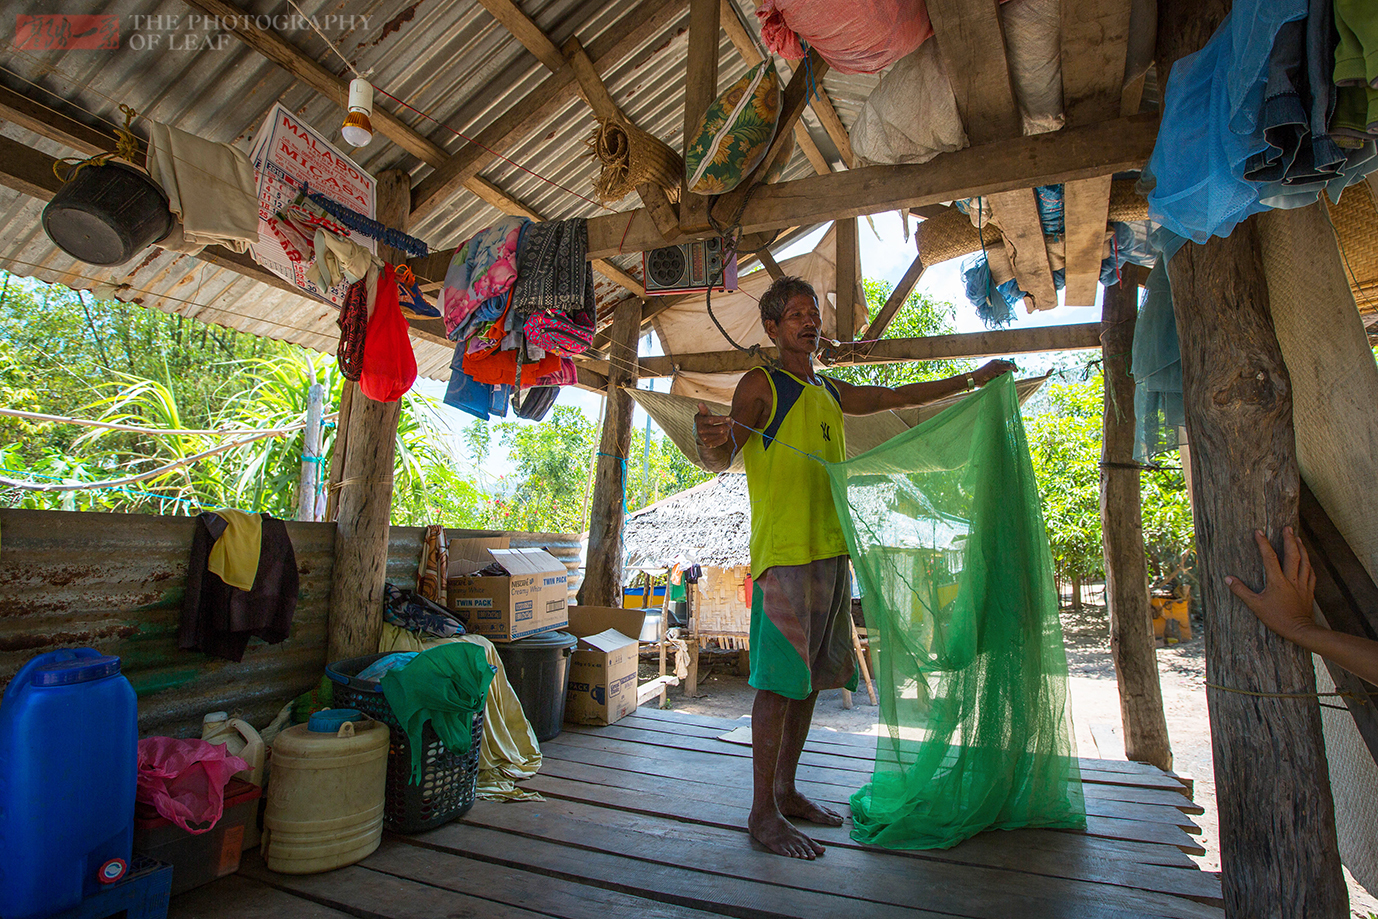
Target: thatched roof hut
[{"x": 709, "y": 524}]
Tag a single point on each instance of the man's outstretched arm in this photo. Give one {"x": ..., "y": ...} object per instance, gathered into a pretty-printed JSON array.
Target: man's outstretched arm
[
  {"x": 719, "y": 437},
  {"x": 867, "y": 400}
]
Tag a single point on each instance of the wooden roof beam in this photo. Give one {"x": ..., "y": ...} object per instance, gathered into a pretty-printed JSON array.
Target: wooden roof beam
[
  {"x": 1095, "y": 39},
  {"x": 1082, "y": 337},
  {"x": 972, "y": 43},
  {"x": 700, "y": 88},
  {"x": 558, "y": 90},
  {"x": 303, "y": 68},
  {"x": 912, "y": 274},
  {"x": 1043, "y": 159}
]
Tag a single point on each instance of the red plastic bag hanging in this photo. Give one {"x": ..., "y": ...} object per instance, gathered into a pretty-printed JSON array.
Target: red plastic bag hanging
[{"x": 389, "y": 366}]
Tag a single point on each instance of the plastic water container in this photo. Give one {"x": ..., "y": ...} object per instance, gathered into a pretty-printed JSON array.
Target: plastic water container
[
  {"x": 240, "y": 739},
  {"x": 69, "y": 739},
  {"x": 325, "y": 802}
]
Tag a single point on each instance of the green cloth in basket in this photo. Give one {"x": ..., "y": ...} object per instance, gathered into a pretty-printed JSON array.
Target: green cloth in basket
[{"x": 445, "y": 686}]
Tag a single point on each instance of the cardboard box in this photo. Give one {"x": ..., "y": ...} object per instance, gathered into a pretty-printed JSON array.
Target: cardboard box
[
  {"x": 533, "y": 596},
  {"x": 602, "y": 670}
]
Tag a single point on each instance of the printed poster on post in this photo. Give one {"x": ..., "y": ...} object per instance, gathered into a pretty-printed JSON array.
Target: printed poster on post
[{"x": 287, "y": 154}]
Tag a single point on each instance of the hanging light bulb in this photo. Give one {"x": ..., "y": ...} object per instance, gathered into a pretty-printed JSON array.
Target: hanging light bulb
[{"x": 357, "y": 129}]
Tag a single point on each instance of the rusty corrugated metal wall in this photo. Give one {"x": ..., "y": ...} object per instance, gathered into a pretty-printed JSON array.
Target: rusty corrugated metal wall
[{"x": 115, "y": 582}]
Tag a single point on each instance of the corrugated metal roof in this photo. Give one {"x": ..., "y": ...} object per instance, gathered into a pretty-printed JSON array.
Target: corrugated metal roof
[{"x": 451, "y": 60}]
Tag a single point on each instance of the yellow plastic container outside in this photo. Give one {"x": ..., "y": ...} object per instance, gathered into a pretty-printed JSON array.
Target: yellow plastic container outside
[
  {"x": 325, "y": 800},
  {"x": 1170, "y": 608}
]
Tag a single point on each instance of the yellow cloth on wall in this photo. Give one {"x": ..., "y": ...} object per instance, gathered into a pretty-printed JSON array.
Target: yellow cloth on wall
[
  {"x": 510, "y": 752},
  {"x": 234, "y": 557}
]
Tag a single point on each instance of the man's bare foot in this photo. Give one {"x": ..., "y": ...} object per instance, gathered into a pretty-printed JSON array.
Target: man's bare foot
[
  {"x": 778, "y": 835},
  {"x": 793, "y": 804}
]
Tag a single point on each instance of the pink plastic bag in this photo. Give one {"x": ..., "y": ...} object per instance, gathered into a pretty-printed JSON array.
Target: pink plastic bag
[
  {"x": 185, "y": 780},
  {"x": 864, "y": 36}
]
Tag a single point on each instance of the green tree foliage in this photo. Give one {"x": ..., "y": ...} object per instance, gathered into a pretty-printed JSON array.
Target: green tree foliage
[
  {"x": 1064, "y": 433},
  {"x": 920, "y": 316},
  {"x": 547, "y": 489},
  {"x": 124, "y": 364}
]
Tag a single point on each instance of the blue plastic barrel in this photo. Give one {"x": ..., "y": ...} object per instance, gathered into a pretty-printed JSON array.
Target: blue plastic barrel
[{"x": 69, "y": 746}]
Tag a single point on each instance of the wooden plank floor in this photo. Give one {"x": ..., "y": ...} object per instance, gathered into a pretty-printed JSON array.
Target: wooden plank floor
[{"x": 645, "y": 818}]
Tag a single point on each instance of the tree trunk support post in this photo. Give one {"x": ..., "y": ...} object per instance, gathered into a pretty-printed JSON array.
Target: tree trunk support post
[
  {"x": 603, "y": 570},
  {"x": 1126, "y": 578},
  {"x": 1278, "y": 850},
  {"x": 365, "y": 486}
]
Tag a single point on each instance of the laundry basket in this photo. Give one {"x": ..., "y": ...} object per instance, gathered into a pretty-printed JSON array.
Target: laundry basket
[{"x": 448, "y": 779}]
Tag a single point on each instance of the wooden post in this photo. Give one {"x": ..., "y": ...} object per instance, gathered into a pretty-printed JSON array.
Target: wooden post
[
  {"x": 847, "y": 281},
  {"x": 365, "y": 487},
  {"x": 1278, "y": 850},
  {"x": 1126, "y": 575},
  {"x": 311, "y": 452},
  {"x": 603, "y": 569},
  {"x": 700, "y": 88}
]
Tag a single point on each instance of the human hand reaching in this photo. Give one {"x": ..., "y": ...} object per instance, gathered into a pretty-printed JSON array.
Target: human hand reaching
[
  {"x": 992, "y": 369},
  {"x": 1285, "y": 603}
]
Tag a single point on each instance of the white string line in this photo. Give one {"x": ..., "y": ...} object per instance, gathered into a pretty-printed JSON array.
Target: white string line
[
  {"x": 153, "y": 473},
  {"x": 136, "y": 429}
]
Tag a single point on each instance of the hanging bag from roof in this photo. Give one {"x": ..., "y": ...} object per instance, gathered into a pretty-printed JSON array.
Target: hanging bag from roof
[
  {"x": 389, "y": 365},
  {"x": 734, "y": 133}
]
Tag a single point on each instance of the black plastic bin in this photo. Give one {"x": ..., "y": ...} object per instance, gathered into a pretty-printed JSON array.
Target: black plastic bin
[
  {"x": 448, "y": 779},
  {"x": 538, "y": 669}
]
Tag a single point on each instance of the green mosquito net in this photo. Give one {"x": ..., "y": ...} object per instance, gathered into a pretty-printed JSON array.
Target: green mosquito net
[{"x": 947, "y": 539}]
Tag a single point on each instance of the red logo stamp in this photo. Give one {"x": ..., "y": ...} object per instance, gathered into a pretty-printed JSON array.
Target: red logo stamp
[{"x": 85, "y": 32}]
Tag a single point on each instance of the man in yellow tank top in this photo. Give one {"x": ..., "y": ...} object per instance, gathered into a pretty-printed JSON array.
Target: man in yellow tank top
[{"x": 784, "y": 420}]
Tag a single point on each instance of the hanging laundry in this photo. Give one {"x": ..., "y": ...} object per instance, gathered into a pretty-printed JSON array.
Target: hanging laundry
[
  {"x": 482, "y": 400},
  {"x": 1157, "y": 370},
  {"x": 210, "y": 187},
  {"x": 1356, "y": 53},
  {"x": 484, "y": 267},
  {"x": 219, "y": 618},
  {"x": 1245, "y": 126},
  {"x": 554, "y": 275},
  {"x": 410, "y": 295},
  {"x": 500, "y": 366},
  {"x": 535, "y": 403},
  {"x": 571, "y": 334}
]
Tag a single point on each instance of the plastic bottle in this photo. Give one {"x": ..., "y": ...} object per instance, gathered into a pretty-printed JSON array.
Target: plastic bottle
[
  {"x": 69, "y": 747},
  {"x": 240, "y": 739}
]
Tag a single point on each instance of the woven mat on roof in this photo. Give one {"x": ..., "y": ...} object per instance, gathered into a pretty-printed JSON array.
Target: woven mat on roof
[
  {"x": 675, "y": 415},
  {"x": 1334, "y": 390},
  {"x": 952, "y": 235},
  {"x": 1356, "y": 226}
]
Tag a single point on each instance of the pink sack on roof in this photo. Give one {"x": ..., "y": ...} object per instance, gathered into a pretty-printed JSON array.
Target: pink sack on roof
[{"x": 860, "y": 36}]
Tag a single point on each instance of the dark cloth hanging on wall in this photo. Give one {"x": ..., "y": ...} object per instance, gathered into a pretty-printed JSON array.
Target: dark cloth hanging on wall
[{"x": 219, "y": 619}]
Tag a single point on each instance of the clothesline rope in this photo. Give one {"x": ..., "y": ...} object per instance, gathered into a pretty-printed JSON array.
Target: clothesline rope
[
  {"x": 152, "y": 473},
  {"x": 138, "y": 429}
]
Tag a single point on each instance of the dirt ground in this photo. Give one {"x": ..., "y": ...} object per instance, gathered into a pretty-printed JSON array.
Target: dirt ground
[{"x": 724, "y": 693}]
